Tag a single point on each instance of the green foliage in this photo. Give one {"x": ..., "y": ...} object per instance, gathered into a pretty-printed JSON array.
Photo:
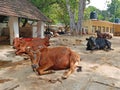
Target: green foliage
[
  {"x": 110, "y": 14},
  {"x": 114, "y": 10},
  {"x": 89, "y": 9},
  {"x": 56, "y": 10}
]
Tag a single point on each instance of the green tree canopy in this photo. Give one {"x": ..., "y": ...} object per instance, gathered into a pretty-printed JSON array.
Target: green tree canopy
[{"x": 114, "y": 10}]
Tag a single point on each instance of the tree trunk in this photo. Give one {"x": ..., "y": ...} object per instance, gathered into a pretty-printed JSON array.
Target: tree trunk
[
  {"x": 76, "y": 27},
  {"x": 71, "y": 15},
  {"x": 82, "y": 4}
]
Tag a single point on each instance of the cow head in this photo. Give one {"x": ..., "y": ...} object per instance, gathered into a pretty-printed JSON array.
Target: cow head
[
  {"x": 34, "y": 54},
  {"x": 16, "y": 43},
  {"x": 91, "y": 44},
  {"x": 31, "y": 53}
]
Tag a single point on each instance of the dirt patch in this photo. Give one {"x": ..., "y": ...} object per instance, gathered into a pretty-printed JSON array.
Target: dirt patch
[
  {"x": 4, "y": 80},
  {"x": 4, "y": 64},
  {"x": 65, "y": 41}
]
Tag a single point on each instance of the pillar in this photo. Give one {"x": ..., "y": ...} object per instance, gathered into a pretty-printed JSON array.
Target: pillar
[
  {"x": 40, "y": 29},
  {"x": 14, "y": 28}
]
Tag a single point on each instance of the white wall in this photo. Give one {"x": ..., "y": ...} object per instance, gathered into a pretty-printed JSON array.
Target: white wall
[
  {"x": 14, "y": 28},
  {"x": 38, "y": 29}
]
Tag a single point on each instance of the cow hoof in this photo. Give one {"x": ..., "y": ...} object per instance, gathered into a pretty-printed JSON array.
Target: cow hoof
[
  {"x": 52, "y": 71},
  {"x": 79, "y": 69},
  {"x": 34, "y": 69},
  {"x": 64, "y": 77},
  {"x": 111, "y": 49}
]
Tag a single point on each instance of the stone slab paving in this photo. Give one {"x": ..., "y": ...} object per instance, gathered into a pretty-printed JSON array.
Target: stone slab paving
[{"x": 100, "y": 71}]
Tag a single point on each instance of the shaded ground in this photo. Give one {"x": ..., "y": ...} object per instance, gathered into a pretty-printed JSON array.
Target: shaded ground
[{"x": 100, "y": 69}]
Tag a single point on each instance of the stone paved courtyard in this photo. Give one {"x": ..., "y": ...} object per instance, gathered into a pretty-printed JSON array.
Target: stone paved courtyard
[{"x": 100, "y": 69}]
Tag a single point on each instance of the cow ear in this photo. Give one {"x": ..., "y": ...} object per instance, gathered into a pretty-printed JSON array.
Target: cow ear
[{"x": 87, "y": 39}]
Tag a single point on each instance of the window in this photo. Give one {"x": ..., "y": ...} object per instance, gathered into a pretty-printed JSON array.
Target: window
[
  {"x": 99, "y": 28},
  {"x": 93, "y": 29},
  {"x": 107, "y": 29},
  {"x": 103, "y": 28}
]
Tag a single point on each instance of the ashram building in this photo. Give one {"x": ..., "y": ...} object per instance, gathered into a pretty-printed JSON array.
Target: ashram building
[
  {"x": 90, "y": 26},
  {"x": 14, "y": 10}
]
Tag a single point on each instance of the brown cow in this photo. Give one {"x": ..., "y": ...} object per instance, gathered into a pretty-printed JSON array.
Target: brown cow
[
  {"x": 56, "y": 58},
  {"x": 16, "y": 41},
  {"x": 22, "y": 44},
  {"x": 103, "y": 35}
]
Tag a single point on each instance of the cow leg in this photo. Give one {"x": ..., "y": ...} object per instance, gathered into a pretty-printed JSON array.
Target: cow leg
[
  {"x": 38, "y": 55},
  {"x": 73, "y": 65},
  {"x": 31, "y": 55},
  {"x": 43, "y": 69},
  {"x": 18, "y": 52}
]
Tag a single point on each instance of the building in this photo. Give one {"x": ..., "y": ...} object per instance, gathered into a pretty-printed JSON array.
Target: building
[
  {"x": 116, "y": 27},
  {"x": 90, "y": 26},
  {"x": 15, "y": 9}
]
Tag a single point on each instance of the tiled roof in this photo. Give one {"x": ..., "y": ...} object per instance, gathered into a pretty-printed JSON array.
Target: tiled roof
[{"x": 21, "y": 8}]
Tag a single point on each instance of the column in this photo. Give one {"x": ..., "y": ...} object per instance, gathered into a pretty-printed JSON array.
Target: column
[
  {"x": 40, "y": 29},
  {"x": 14, "y": 28}
]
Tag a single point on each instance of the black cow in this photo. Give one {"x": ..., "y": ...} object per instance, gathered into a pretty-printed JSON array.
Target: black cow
[{"x": 98, "y": 44}]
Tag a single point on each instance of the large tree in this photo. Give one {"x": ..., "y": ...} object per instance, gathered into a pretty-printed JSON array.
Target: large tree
[
  {"x": 114, "y": 9},
  {"x": 76, "y": 24},
  {"x": 57, "y": 10}
]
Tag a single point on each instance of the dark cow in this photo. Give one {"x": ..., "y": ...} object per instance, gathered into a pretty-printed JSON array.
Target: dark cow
[
  {"x": 56, "y": 58},
  {"x": 98, "y": 43}
]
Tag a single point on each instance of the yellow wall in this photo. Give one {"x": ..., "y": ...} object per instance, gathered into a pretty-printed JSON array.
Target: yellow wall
[
  {"x": 104, "y": 26},
  {"x": 117, "y": 27}
]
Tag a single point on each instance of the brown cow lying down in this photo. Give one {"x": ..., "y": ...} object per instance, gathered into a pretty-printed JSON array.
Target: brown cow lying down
[
  {"x": 103, "y": 35},
  {"x": 56, "y": 58},
  {"x": 21, "y": 44},
  {"x": 16, "y": 41}
]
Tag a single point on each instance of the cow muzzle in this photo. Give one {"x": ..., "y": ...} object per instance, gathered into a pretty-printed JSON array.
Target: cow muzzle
[{"x": 34, "y": 67}]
